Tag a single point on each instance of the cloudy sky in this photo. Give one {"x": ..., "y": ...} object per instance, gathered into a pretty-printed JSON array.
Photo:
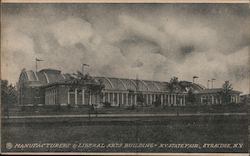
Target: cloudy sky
[{"x": 153, "y": 41}]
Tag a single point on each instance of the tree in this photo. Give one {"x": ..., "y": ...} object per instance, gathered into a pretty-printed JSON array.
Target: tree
[
  {"x": 174, "y": 88},
  {"x": 191, "y": 97},
  {"x": 225, "y": 93},
  {"x": 140, "y": 98},
  {"x": 93, "y": 86},
  {"x": 157, "y": 101},
  {"x": 173, "y": 85},
  {"x": 8, "y": 95}
]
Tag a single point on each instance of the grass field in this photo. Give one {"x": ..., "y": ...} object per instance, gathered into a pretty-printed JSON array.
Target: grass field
[
  {"x": 179, "y": 130},
  {"x": 239, "y": 108}
]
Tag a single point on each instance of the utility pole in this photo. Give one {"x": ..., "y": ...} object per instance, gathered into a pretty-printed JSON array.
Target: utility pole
[{"x": 136, "y": 90}]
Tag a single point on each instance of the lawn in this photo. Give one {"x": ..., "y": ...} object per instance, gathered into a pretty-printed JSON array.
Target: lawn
[
  {"x": 177, "y": 131},
  {"x": 50, "y": 110}
]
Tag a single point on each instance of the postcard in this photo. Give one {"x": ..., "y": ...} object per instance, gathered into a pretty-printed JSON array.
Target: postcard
[{"x": 123, "y": 78}]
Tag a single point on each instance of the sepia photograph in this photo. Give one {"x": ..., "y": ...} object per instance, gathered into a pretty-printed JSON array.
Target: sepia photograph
[{"x": 125, "y": 78}]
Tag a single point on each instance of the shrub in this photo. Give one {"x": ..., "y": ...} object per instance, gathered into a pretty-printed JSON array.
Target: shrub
[{"x": 107, "y": 104}]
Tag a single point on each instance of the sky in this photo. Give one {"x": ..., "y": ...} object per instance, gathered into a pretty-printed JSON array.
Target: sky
[{"x": 152, "y": 41}]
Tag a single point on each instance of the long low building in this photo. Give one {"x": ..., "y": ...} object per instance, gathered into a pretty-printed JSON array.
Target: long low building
[{"x": 52, "y": 87}]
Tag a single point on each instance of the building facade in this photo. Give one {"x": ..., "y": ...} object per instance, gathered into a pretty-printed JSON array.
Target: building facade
[{"x": 51, "y": 87}]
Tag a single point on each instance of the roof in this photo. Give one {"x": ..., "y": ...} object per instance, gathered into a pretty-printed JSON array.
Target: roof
[
  {"x": 216, "y": 90},
  {"x": 133, "y": 84},
  {"x": 47, "y": 77},
  {"x": 44, "y": 76}
]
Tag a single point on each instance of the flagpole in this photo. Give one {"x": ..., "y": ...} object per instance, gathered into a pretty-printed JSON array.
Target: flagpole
[{"x": 36, "y": 64}]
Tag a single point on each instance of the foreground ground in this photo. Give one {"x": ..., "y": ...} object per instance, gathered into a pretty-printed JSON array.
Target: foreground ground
[
  {"x": 191, "y": 130},
  {"x": 55, "y": 110}
]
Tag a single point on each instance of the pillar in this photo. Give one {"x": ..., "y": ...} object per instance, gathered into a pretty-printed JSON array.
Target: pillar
[
  {"x": 212, "y": 100},
  {"x": 122, "y": 99},
  {"x": 184, "y": 100},
  {"x": 50, "y": 97},
  {"x": 113, "y": 98},
  {"x": 161, "y": 100},
  {"x": 171, "y": 99},
  {"x": 83, "y": 96},
  {"x": 175, "y": 99},
  {"x": 126, "y": 97},
  {"x": 181, "y": 100},
  {"x": 131, "y": 99},
  {"x": 165, "y": 99},
  {"x": 117, "y": 99},
  {"x": 135, "y": 99},
  {"x": 54, "y": 96},
  {"x": 103, "y": 96},
  {"x": 75, "y": 96},
  {"x": 108, "y": 100},
  {"x": 90, "y": 98},
  {"x": 168, "y": 100}
]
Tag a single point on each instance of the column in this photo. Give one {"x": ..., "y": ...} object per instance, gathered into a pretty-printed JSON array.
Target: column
[
  {"x": 103, "y": 96},
  {"x": 169, "y": 100},
  {"x": 150, "y": 99},
  {"x": 52, "y": 99},
  {"x": 45, "y": 98},
  {"x": 180, "y": 100},
  {"x": 49, "y": 97},
  {"x": 118, "y": 99},
  {"x": 184, "y": 100},
  {"x": 54, "y": 96},
  {"x": 131, "y": 99},
  {"x": 175, "y": 99},
  {"x": 83, "y": 96},
  {"x": 212, "y": 100},
  {"x": 126, "y": 96},
  {"x": 108, "y": 97},
  {"x": 75, "y": 96},
  {"x": 165, "y": 100},
  {"x": 90, "y": 98},
  {"x": 113, "y": 99},
  {"x": 94, "y": 98},
  {"x": 161, "y": 100},
  {"x": 122, "y": 99},
  {"x": 56, "y": 101},
  {"x": 135, "y": 99}
]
